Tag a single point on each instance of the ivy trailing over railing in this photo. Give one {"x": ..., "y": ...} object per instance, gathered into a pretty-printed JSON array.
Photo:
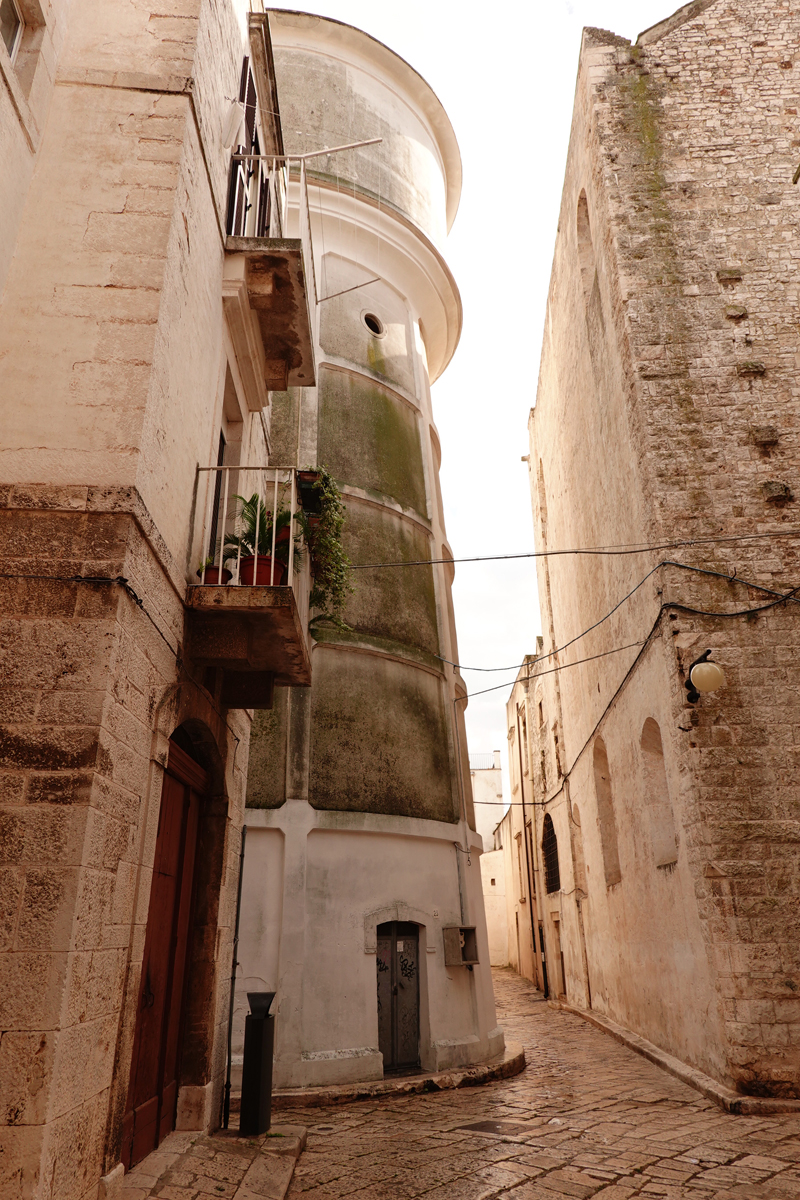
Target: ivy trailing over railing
[{"x": 331, "y": 566}]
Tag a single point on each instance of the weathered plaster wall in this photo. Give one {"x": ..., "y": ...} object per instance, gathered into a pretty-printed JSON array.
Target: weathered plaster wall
[
  {"x": 494, "y": 901},
  {"x": 487, "y": 797},
  {"x": 362, "y": 90},
  {"x": 342, "y": 879},
  {"x": 666, "y": 408},
  {"x": 371, "y": 785}
]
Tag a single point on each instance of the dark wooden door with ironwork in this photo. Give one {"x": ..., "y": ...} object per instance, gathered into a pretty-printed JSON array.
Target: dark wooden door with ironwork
[
  {"x": 153, "y": 1089},
  {"x": 398, "y": 995}
]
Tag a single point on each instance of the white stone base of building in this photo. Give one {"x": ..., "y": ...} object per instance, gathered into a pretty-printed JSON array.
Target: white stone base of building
[{"x": 316, "y": 887}]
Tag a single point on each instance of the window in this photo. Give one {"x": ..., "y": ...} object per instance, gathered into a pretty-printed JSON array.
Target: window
[
  {"x": 605, "y": 814},
  {"x": 10, "y": 26},
  {"x": 254, "y": 189},
  {"x": 552, "y": 875},
  {"x": 659, "y": 805}
]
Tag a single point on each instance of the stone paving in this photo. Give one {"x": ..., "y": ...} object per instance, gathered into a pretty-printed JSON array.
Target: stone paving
[
  {"x": 588, "y": 1118},
  {"x": 192, "y": 1166}
]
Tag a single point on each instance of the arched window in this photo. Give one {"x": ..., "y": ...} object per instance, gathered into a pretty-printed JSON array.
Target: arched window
[
  {"x": 552, "y": 876},
  {"x": 659, "y": 805},
  {"x": 605, "y": 814}
]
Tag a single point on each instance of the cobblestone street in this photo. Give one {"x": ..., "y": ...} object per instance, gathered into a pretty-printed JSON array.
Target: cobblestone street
[{"x": 588, "y": 1117}]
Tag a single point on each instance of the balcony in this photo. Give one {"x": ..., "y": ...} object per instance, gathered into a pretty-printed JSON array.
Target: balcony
[
  {"x": 269, "y": 286},
  {"x": 247, "y": 616}
]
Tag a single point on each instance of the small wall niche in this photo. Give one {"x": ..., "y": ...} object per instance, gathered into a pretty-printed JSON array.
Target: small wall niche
[{"x": 460, "y": 945}]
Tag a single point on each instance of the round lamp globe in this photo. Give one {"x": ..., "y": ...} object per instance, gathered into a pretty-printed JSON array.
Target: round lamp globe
[{"x": 707, "y": 677}]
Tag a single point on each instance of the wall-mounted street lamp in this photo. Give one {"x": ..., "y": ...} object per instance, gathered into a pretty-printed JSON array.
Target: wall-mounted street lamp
[{"x": 704, "y": 676}]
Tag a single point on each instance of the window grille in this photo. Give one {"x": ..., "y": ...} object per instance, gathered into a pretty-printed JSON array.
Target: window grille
[{"x": 552, "y": 876}]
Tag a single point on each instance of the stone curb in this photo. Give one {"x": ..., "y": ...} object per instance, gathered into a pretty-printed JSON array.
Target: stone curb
[
  {"x": 726, "y": 1098},
  {"x": 511, "y": 1063}
]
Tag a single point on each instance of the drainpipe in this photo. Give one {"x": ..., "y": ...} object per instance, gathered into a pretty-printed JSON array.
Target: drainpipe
[
  {"x": 462, "y": 883},
  {"x": 531, "y": 900},
  {"x": 226, "y": 1103}
]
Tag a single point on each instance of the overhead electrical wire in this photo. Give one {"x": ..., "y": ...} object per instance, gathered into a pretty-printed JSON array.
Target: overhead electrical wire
[
  {"x": 603, "y": 551},
  {"x": 667, "y": 562},
  {"x": 782, "y": 598}
]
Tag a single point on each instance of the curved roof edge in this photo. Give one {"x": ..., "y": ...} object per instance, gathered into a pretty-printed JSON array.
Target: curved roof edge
[{"x": 426, "y": 98}]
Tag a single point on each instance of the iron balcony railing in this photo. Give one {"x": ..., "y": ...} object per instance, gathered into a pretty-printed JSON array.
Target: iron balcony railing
[{"x": 251, "y": 530}]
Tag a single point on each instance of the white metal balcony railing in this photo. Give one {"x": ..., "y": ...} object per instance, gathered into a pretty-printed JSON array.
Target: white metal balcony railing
[
  {"x": 252, "y": 531},
  {"x": 259, "y": 200},
  {"x": 260, "y": 205}
]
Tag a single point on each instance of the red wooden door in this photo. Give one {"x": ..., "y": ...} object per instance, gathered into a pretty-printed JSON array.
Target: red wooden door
[{"x": 153, "y": 1088}]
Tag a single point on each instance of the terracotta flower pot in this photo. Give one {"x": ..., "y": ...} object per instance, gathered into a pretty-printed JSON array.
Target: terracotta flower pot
[
  {"x": 215, "y": 576},
  {"x": 262, "y": 579}
]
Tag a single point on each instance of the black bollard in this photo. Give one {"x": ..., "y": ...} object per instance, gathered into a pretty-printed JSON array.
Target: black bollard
[{"x": 259, "y": 1044}]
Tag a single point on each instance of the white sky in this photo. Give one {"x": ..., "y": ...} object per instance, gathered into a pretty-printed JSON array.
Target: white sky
[{"x": 505, "y": 72}]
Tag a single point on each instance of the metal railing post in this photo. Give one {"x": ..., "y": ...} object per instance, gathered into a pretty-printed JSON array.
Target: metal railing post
[
  {"x": 274, "y": 531},
  {"x": 226, "y": 485},
  {"x": 291, "y": 529}
]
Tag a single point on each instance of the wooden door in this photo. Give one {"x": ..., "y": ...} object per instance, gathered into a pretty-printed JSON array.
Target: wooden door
[
  {"x": 398, "y": 995},
  {"x": 153, "y": 1088}
]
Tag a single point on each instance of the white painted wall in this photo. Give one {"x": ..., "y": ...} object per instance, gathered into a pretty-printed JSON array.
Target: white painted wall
[{"x": 493, "y": 876}]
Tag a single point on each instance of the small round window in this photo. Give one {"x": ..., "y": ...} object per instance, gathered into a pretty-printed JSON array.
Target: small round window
[{"x": 374, "y": 324}]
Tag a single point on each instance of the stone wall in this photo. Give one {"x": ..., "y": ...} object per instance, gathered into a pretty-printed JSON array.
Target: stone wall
[
  {"x": 92, "y": 689},
  {"x": 667, "y": 409},
  {"x": 114, "y": 358}
]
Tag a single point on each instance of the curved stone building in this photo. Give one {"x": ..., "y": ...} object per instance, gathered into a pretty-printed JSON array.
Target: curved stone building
[{"x": 362, "y": 881}]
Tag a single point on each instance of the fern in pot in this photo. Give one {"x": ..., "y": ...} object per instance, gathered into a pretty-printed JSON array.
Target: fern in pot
[{"x": 254, "y": 539}]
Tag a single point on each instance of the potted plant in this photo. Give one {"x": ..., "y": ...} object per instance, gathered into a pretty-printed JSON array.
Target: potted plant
[
  {"x": 322, "y": 528},
  {"x": 253, "y": 514},
  {"x": 211, "y": 575}
]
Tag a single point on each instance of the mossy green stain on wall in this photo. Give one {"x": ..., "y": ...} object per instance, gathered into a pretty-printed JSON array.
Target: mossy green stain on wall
[
  {"x": 369, "y": 439},
  {"x": 379, "y": 738},
  {"x": 266, "y": 774},
  {"x": 283, "y": 426},
  {"x": 398, "y": 603}
]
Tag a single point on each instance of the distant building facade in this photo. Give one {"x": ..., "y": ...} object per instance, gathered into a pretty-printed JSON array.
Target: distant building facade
[
  {"x": 361, "y": 843},
  {"x": 487, "y": 795},
  {"x": 667, "y": 823}
]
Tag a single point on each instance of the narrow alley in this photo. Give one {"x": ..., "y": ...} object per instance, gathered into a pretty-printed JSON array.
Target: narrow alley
[{"x": 587, "y": 1118}]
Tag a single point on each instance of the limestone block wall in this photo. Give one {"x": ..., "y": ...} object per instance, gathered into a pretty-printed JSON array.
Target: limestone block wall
[
  {"x": 91, "y": 693},
  {"x": 666, "y": 410},
  {"x": 115, "y": 368},
  {"x": 26, "y": 90}
]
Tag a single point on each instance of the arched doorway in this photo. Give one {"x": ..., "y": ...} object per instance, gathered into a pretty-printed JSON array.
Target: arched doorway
[{"x": 153, "y": 1089}]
